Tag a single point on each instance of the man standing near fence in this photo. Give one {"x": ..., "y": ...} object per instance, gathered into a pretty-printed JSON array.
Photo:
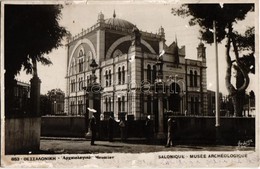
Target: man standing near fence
[
  {"x": 122, "y": 130},
  {"x": 93, "y": 128},
  {"x": 170, "y": 125},
  {"x": 110, "y": 128}
]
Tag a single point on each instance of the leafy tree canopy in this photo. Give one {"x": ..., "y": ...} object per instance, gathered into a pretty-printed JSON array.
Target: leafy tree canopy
[
  {"x": 204, "y": 14},
  {"x": 30, "y": 32},
  {"x": 225, "y": 15}
]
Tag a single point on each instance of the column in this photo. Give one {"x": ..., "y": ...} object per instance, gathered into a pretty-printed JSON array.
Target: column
[
  {"x": 160, "y": 134},
  {"x": 35, "y": 95}
]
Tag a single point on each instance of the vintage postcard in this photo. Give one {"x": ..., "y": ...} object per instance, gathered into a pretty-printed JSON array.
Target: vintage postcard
[{"x": 129, "y": 84}]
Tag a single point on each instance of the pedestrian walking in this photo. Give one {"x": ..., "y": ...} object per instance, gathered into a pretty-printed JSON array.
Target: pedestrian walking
[
  {"x": 148, "y": 129},
  {"x": 122, "y": 129},
  {"x": 93, "y": 128},
  {"x": 170, "y": 125},
  {"x": 110, "y": 128}
]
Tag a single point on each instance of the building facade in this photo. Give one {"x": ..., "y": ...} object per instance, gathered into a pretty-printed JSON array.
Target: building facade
[{"x": 127, "y": 71}]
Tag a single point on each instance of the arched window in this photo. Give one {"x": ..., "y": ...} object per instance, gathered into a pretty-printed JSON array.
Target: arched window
[
  {"x": 80, "y": 83},
  {"x": 110, "y": 77},
  {"x": 73, "y": 108},
  {"x": 81, "y": 53},
  {"x": 149, "y": 77},
  {"x": 81, "y": 64},
  {"x": 195, "y": 79},
  {"x": 191, "y": 78},
  {"x": 73, "y": 66},
  {"x": 106, "y": 103},
  {"x": 123, "y": 75},
  {"x": 81, "y": 60},
  {"x": 192, "y": 105},
  {"x": 80, "y": 107},
  {"x": 154, "y": 74},
  {"x": 119, "y": 75},
  {"x": 123, "y": 103},
  {"x": 119, "y": 104},
  {"x": 110, "y": 104},
  {"x": 73, "y": 85},
  {"x": 106, "y": 79}
]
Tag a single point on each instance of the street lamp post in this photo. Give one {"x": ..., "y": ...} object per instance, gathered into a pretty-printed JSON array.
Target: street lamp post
[
  {"x": 160, "y": 87},
  {"x": 90, "y": 94}
]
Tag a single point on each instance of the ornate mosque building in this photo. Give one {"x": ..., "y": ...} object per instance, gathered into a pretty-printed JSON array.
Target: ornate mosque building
[{"x": 127, "y": 71}]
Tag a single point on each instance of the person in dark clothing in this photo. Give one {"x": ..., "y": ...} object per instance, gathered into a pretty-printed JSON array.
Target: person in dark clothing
[
  {"x": 170, "y": 125},
  {"x": 148, "y": 129},
  {"x": 93, "y": 129},
  {"x": 110, "y": 128},
  {"x": 122, "y": 130}
]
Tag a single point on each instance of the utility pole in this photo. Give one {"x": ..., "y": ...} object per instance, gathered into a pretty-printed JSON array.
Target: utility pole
[
  {"x": 217, "y": 78},
  {"x": 217, "y": 125}
]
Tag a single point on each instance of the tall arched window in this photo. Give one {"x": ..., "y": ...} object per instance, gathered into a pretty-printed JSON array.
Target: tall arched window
[
  {"x": 110, "y": 77},
  {"x": 73, "y": 66},
  {"x": 123, "y": 75},
  {"x": 80, "y": 107},
  {"x": 149, "y": 77},
  {"x": 81, "y": 60},
  {"x": 123, "y": 103},
  {"x": 73, "y": 108},
  {"x": 81, "y": 64},
  {"x": 106, "y": 78},
  {"x": 73, "y": 85},
  {"x": 106, "y": 103},
  {"x": 191, "y": 78},
  {"x": 195, "y": 79},
  {"x": 80, "y": 83},
  {"x": 119, "y": 104},
  {"x": 154, "y": 74},
  {"x": 192, "y": 105},
  {"x": 110, "y": 104},
  {"x": 119, "y": 75}
]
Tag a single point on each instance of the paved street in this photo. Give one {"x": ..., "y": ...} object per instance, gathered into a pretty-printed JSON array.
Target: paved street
[{"x": 82, "y": 146}]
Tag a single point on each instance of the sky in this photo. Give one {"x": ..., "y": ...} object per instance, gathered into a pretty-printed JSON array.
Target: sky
[{"x": 147, "y": 17}]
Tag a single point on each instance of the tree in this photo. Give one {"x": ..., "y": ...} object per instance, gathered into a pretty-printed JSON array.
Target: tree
[
  {"x": 226, "y": 16},
  {"x": 56, "y": 98},
  {"x": 45, "y": 106},
  {"x": 31, "y": 32}
]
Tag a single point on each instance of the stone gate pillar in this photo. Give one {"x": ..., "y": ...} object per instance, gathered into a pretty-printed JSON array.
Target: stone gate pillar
[{"x": 35, "y": 96}]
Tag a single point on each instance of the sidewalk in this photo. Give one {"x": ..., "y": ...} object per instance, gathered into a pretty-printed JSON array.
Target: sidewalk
[{"x": 82, "y": 146}]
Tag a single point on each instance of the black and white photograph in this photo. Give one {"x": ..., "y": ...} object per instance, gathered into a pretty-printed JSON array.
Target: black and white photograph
[{"x": 129, "y": 84}]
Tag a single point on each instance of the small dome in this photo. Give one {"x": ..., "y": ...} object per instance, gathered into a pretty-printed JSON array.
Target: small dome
[{"x": 119, "y": 22}]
